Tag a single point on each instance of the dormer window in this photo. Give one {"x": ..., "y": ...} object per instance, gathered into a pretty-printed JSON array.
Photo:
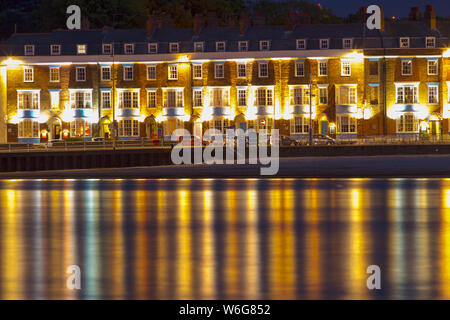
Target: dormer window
[
  {"x": 220, "y": 46},
  {"x": 129, "y": 48},
  {"x": 347, "y": 43},
  {"x": 404, "y": 42},
  {"x": 324, "y": 43},
  {"x": 198, "y": 46},
  {"x": 300, "y": 44},
  {"x": 264, "y": 45},
  {"x": 81, "y": 49},
  {"x": 152, "y": 48},
  {"x": 107, "y": 48},
  {"x": 430, "y": 42},
  {"x": 174, "y": 47},
  {"x": 55, "y": 49},
  {"x": 243, "y": 46},
  {"x": 29, "y": 50}
]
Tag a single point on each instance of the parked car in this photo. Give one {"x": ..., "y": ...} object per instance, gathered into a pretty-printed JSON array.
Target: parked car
[
  {"x": 98, "y": 139},
  {"x": 320, "y": 139},
  {"x": 288, "y": 141},
  {"x": 52, "y": 142},
  {"x": 192, "y": 141}
]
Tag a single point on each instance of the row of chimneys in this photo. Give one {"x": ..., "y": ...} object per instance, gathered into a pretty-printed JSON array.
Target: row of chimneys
[
  {"x": 414, "y": 15},
  {"x": 291, "y": 20}
]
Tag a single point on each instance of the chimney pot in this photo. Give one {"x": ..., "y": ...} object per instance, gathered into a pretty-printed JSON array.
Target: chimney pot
[
  {"x": 414, "y": 14},
  {"x": 243, "y": 22},
  {"x": 430, "y": 16}
]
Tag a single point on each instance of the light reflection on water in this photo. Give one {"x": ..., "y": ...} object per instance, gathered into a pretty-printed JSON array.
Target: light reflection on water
[{"x": 225, "y": 239}]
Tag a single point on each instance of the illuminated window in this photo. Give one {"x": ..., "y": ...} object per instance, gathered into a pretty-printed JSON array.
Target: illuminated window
[
  {"x": 347, "y": 95},
  {"x": 264, "y": 97},
  {"x": 128, "y": 128},
  {"x": 27, "y": 100},
  {"x": 173, "y": 72},
  {"x": 28, "y": 74},
  {"x": 54, "y": 99},
  {"x": 80, "y": 128},
  {"x": 241, "y": 70},
  {"x": 81, "y": 49},
  {"x": 80, "y": 99},
  {"x": 128, "y": 99},
  {"x": 346, "y": 68},
  {"x": 198, "y": 101},
  {"x": 28, "y": 128},
  {"x": 173, "y": 98},
  {"x": 105, "y": 73},
  {"x": 430, "y": 42},
  {"x": 242, "y": 97},
  {"x": 54, "y": 74},
  {"x": 151, "y": 98},
  {"x": 407, "y": 94},
  {"x": 219, "y": 97},
  {"x": 323, "y": 95},
  {"x": 197, "y": 71},
  {"x": 433, "y": 97},
  {"x": 299, "y": 96},
  {"x": 220, "y": 124},
  {"x": 218, "y": 70},
  {"x": 407, "y": 123},
  {"x": 404, "y": 42},
  {"x": 198, "y": 46},
  {"x": 346, "y": 124},
  {"x": 299, "y": 124}
]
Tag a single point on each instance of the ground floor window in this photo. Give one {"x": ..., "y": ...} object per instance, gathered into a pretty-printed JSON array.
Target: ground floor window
[
  {"x": 128, "y": 128},
  {"x": 28, "y": 128},
  {"x": 299, "y": 124},
  {"x": 346, "y": 124},
  {"x": 80, "y": 128},
  {"x": 407, "y": 123},
  {"x": 219, "y": 124}
]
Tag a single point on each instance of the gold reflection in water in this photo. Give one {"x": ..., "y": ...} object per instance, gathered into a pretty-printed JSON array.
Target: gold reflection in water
[
  {"x": 11, "y": 280},
  {"x": 141, "y": 255},
  {"x": 184, "y": 250},
  {"x": 117, "y": 252},
  {"x": 162, "y": 282},
  {"x": 252, "y": 258},
  {"x": 444, "y": 280},
  {"x": 232, "y": 272},
  {"x": 208, "y": 265},
  {"x": 68, "y": 232}
]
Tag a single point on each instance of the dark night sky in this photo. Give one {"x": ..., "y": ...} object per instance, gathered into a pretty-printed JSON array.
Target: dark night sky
[{"x": 398, "y": 8}]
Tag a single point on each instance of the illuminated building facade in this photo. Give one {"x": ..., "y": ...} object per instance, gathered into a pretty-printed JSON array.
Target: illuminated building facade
[{"x": 74, "y": 84}]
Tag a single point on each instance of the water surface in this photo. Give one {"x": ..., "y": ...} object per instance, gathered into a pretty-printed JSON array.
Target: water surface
[{"x": 225, "y": 239}]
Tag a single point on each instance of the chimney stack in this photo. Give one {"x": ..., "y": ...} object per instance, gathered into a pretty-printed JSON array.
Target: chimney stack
[
  {"x": 430, "y": 16},
  {"x": 258, "y": 19},
  {"x": 290, "y": 21},
  {"x": 153, "y": 22},
  {"x": 198, "y": 24},
  {"x": 212, "y": 20},
  {"x": 414, "y": 14},
  {"x": 243, "y": 22},
  {"x": 85, "y": 25}
]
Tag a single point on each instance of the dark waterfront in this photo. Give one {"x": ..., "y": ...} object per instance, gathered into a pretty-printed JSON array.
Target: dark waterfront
[{"x": 225, "y": 239}]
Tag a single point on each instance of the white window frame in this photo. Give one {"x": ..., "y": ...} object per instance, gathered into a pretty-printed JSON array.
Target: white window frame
[
  {"x": 174, "y": 47},
  {"x": 125, "y": 74},
  {"x": 402, "y": 68},
  {"x": 79, "y": 51},
  {"x": 415, "y": 88},
  {"x": 102, "y": 105},
  {"x": 50, "y": 74},
  {"x": 153, "y": 47},
  {"x": 220, "y": 43},
  {"x": 323, "y": 88},
  {"x": 219, "y": 96},
  {"x": 319, "y": 62},
  {"x": 350, "y": 95},
  {"x": 107, "y": 45},
  {"x": 134, "y": 129},
  {"x": 322, "y": 42},
  {"x": 34, "y": 128},
  {"x": 149, "y": 67},
  {"x": 401, "y": 121},
  {"x": 242, "y": 45},
  {"x": 299, "y": 95},
  {"x": 87, "y": 98},
  {"x": 299, "y": 63},
  {"x": 151, "y": 95},
  {"x": 298, "y": 42},
  {"x": 346, "y": 68},
  {"x": 351, "y": 124},
  {"x": 216, "y": 70},
  {"x": 27, "y": 52},
  {"x": 179, "y": 97},
  {"x": 25, "y": 69},
  {"x": 77, "y": 79},
  {"x": 195, "y": 94},
  {"x": 303, "y": 125},
  {"x": 429, "y": 89},
  {"x": 195, "y": 68},
  {"x": 172, "y": 72},
  {"x": 58, "y": 52},
  {"x": 429, "y": 65},
  {"x": 126, "y": 48},
  {"x": 101, "y": 73},
  {"x": 404, "y": 42},
  {"x": 260, "y": 64},
  {"x": 35, "y": 99},
  {"x": 264, "y": 45},
  {"x": 268, "y": 99},
  {"x": 238, "y": 69},
  {"x": 433, "y": 40},
  {"x": 134, "y": 98},
  {"x": 240, "y": 91},
  {"x": 201, "y": 44},
  {"x": 350, "y": 45}
]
